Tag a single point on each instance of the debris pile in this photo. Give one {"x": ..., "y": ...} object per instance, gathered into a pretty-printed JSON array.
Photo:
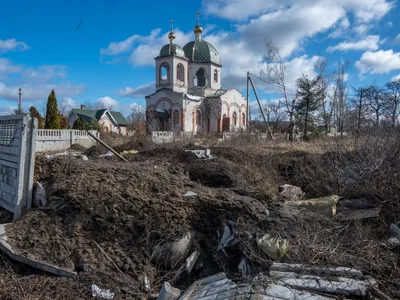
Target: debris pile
[{"x": 167, "y": 215}]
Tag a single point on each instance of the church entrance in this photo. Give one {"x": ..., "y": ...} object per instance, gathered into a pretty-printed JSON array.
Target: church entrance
[
  {"x": 198, "y": 121},
  {"x": 225, "y": 123}
]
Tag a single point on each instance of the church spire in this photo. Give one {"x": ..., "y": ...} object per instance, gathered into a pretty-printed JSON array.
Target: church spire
[
  {"x": 171, "y": 34},
  {"x": 198, "y": 30}
]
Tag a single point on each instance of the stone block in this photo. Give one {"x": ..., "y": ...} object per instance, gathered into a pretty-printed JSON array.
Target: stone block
[
  {"x": 219, "y": 289},
  {"x": 168, "y": 292},
  {"x": 344, "y": 286},
  {"x": 279, "y": 291},
  {"x": 212, "y": 297}
]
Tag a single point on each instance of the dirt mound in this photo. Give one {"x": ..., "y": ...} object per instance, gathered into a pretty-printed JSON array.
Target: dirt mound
[
  {"x": 112, "y": 215},
  {"x": 95, "y": 151},
  {"x": 218, "y": 173},
  {"x": 77, "y": 147}
]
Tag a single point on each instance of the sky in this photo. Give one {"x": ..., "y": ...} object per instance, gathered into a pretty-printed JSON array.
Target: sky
[{"x": 103, "y": 51}]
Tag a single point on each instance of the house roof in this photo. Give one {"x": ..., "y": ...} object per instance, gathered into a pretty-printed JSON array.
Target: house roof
[{"x": 88, "y": 115}]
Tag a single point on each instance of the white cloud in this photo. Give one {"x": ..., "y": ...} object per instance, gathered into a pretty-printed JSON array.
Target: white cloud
[
  {"x": 379, "y": 62},
  {"x": 66, "y": 105},
  {"x": 116, "y": 48},
  {"x": 143, "y": 49},
  {"x": 371, "y": 42},
  {"x": 341, "y": 28},
  {"x": 362, "y": 29},
  {"x": 239, "y": 10},
  {"x": 12, "y": 45},
  {"x": 7, "y": 68},
  {"x": 39, "y": 93},
  {"x": 300, "y": 21},
  {"x": 395, "y": 78},
  {"x": 139, "y": 92},
  {"x": 144, "y": 54},
  {"x": 45, "y": 73},
  {"x": 107, "y": 102},
  {"x": 397, "y": 38}
]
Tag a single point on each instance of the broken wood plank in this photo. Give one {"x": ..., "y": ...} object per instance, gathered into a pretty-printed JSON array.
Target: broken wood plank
[
  {"x": 108, "y": 147},
  {"x": 7, "y": 249},
  {"x": 358, "y": 214}
]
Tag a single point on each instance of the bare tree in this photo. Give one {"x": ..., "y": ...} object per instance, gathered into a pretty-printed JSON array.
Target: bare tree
[
  {"x": 326, "y": 105},
  {"x": 274, "y": 74},
  {"x": 137, "y": 114},
  {"x": 274, "y": 114},
  {"x": 339, "y": 99},
  {"x": 393, "y": 101},
  {"x": 376, "y": 101}
]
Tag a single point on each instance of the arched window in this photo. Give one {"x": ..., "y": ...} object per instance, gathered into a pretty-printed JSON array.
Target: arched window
[
  {"x": 200, "y": 79},
  {"x": 180, "y": 73},
  {"x": 176, "y": 117},
  {"x": 234, "y": 118},
  {"x": 164, "y": 71},
  {"x": 215, "y": 75},
  {"x": 243, "y": 119},
  {"x": 198, "y": 117}
]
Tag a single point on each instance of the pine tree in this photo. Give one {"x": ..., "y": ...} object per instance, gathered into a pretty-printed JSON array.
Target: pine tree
[
  {"x": 309, "y": 97},
  {"x": 35, "y": 114},
  {"x": 79, "y": 124},
  {"x": 52, "y": 114}
]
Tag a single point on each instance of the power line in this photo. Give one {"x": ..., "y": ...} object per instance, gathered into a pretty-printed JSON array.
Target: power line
[{"x": 287, "y": 89}]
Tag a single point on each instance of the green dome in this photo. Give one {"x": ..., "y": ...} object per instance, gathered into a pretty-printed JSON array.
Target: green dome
[
  {"x": 203, "y": 52},
  {"x": 173, "y": 49}
]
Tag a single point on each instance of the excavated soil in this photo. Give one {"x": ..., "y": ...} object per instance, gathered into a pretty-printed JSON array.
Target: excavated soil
[
  {"x": 106, "y": 219},
  {"x": 109, "y": 216}
]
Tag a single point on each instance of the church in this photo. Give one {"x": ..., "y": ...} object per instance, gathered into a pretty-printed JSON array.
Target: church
[{"x": 188, "y": 96}]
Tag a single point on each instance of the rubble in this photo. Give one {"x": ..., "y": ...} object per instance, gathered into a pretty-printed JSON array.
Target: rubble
[
  {"x": 298, "y": 284},
  {"x": 289, "y": 192},
  {"x": 168, "y": 216},
  {"x": 168, "y": 292},
  {"x": 202, "y": 154},
  {"x": 101, "y": 293}
]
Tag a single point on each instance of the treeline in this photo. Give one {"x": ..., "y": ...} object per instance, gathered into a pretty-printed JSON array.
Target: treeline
[
  {"x": 326, "y": 103},
  {"x": 54, "y": 119}
]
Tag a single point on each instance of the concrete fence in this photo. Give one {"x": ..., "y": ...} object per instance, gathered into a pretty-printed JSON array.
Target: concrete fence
[
  {"x": 17, "y": 162},
  {"x": 62, "y": 139},
  {"x": 162, "y": 137}
]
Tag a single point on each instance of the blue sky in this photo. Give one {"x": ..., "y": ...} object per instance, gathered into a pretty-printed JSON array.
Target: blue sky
[{"x": 109, "y": 58}]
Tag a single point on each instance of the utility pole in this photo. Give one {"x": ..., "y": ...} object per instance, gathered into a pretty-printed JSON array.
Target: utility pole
[
  {"x": 248, "y": 108},
  {"x": 20, "y": 101},
  {"x": 261, "y": 109}
]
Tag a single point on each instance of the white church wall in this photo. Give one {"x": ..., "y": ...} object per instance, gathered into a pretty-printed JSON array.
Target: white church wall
[
  {"x": 215, "y": 85},
  {"x": 190, "y": 107},
  {"x": 194, "y": 67}
]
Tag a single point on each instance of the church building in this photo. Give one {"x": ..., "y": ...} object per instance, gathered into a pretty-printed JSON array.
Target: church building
[{"x": 188, "y": 96}]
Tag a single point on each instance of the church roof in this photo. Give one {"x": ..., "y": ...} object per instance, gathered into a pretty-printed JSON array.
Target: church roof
[
  {"x": 201, "y": 51},
  {"x": 172, "y": 49}
]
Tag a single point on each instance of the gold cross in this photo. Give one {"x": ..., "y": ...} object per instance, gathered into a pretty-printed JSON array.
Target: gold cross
[
  {"x": 172, "y": 25},
  {"x": 198, "y": 17}
]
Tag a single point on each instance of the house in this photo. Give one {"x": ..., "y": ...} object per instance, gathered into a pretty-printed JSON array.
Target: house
[
  {"x": 189, "y": 96},
  {"x": 110, "y": 121}
]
